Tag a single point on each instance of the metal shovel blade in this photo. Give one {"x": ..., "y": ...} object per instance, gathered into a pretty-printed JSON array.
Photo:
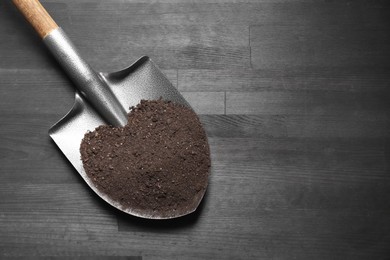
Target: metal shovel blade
[{"x": 142, "y": 80}]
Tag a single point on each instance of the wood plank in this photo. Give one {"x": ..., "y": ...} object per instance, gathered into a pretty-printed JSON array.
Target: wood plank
[
  {"x": 310, "y": 179},
  {"x": 266, "y": 102},
  {"x": 360, "y": 125},
  {"x": 308, "y": 102},
  {"x": 368, "y": 79},
  {"x": 326, "y": 153},
  {"x": 312, "y": 126},
  {"x": 177, "y": 35},
  {"x": 206, "y": 102},
  {"x": 309, "y": 45},
  {"x": 244, "y": 125}
]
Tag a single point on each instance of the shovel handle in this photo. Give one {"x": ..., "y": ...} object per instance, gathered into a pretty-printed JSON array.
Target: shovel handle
[{"x": 37, "y": 16}]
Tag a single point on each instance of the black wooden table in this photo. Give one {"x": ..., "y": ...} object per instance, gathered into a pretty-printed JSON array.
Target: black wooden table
[{"x": 294, "y": 96}]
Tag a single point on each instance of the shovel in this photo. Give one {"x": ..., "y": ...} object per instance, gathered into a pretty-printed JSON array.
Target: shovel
[{"x": 101, "y": 98}]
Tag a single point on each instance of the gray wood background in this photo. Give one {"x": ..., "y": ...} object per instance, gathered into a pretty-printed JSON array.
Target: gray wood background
[{"x": 294, "y": 96}]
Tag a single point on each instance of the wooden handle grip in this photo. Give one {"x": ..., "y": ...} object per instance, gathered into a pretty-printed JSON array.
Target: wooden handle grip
[{"x": 37, "y": 16}]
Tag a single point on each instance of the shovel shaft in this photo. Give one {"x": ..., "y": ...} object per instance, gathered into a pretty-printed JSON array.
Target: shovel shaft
[
  {"x": 91, "y": 84},
  {"x": 37, "y": 16}
]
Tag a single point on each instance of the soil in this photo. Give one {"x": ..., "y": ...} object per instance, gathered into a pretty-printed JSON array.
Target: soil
[{"x": 157, "y": 164}]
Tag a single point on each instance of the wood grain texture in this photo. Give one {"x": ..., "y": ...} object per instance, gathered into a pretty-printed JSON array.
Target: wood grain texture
[
  {"x": 293, "y": 96},
  {"x": 206, "y": 102},
  {"x": 329, "y": 45},
  {"x": 37, "y": 16},
  {"x": 308, "y": 102},
  {"x": 345, "y": 79}
]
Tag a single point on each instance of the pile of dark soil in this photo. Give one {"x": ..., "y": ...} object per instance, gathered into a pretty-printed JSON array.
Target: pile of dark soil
[{"x": 159, "y": 162}]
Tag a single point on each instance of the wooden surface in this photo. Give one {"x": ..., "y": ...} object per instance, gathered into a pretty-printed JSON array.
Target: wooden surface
[{"x": 294, "y": 96}]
